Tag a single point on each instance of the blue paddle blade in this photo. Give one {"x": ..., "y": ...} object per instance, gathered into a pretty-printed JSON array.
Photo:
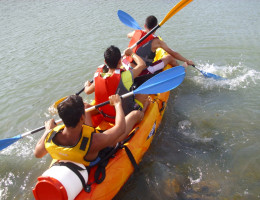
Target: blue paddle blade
[
  {"x": 162, "y": 82},
  {"x": 210, "y": 75},
  {"x": 127, "y": 20},
  {"x": 7, "y": 142}
]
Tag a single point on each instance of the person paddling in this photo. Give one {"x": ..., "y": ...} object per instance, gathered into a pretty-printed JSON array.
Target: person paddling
[
  {"x": 147, "y": 49},
  {"x": 110, "y": 79},
  {"x": 76, "y": 140}
]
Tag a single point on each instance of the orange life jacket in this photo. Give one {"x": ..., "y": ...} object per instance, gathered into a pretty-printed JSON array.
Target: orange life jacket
[
  {"x": 136, "y": 37},
  {"x": 105, "y": 87},
  {"x": 116, "y": 83}
]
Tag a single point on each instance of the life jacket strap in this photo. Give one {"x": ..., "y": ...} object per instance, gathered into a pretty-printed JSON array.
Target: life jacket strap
[
  {"x": 131, "y": 157},
  {"x": 106, "y": 154},
  {"x": 106, "y": 115},
  {"x": 127, "y": 150}
]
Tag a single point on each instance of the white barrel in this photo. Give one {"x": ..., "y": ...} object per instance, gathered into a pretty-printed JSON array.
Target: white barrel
[{"x": 68, "y": 178}]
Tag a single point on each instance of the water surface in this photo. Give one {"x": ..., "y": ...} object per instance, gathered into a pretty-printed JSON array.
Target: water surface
[{"x": 208, "y": 145}]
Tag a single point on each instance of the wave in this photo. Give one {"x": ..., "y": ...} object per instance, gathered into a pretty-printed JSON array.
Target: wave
[{"x": 236, "y": 77}]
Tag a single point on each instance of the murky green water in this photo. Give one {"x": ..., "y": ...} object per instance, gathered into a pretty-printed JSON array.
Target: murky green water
[{"x": 208, "y": 145}]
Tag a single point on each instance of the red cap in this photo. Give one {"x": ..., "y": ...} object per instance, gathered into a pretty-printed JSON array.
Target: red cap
[{"x": 49, "y": 188}]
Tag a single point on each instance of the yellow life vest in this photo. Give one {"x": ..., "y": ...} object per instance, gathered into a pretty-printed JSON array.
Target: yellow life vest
[{"x": 75, "y": 153}]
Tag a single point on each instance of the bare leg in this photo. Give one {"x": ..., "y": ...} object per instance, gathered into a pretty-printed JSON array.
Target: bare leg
[
  {"x": 131, "y": 119},
  {"x": 170, "y": 60},
  {"x": 143, "y": 98}
]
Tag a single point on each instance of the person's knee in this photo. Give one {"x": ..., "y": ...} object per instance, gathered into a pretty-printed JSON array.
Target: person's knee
[
  {"x": 170, "y": 60},
  {"x": 137, "y": 115},
  {"x": 140, "y": 115}
]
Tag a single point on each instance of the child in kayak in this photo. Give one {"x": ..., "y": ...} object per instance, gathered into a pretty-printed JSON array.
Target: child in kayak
[
  {"x": 146, "y": 49},
  {"x": 75, "y": 140},
  {"x": 110, "y": 79}
]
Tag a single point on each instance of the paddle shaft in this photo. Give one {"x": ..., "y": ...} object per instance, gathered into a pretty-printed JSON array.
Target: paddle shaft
[
  {"x": 38, "y": 129},
  {"x": 195, "y": 67},
  {"x": 143, "y": 38},
  {"x": 107, "y": 102},
  {"x": 203, "y": 73},
  {"x": 78, "y": 93}
]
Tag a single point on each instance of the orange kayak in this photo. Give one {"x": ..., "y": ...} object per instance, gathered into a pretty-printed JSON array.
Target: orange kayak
[{"x": 120, "y": 167}]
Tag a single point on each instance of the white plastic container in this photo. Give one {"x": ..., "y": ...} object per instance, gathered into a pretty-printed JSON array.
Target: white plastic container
[{"x": 59, "y": 183}]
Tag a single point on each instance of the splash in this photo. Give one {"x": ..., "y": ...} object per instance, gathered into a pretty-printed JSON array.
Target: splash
[
  {"x": 5, "y": 182},
  {"x": 194, "y": 181},
  {"x": 184, "y": 127},
  {"x": 52, "y": 110},
  {"x": 22, "y": 148},
  {"x": 237, "y": 77}
]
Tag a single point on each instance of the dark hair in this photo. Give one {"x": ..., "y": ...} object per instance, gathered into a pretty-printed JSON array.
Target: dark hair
[
  {"x": 71, "y": 109},
  {"x": 151, "y": 22},
  {"x": 112, "y": 56}
]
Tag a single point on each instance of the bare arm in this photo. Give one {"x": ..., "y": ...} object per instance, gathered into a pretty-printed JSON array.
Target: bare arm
[
  {"x": 110, "y": 137},
  {"x": 140, "y": 64},
  {"x": 40, "y": 150},
  {"x": 89, "y": 87},
  {"x": 161, "y": 44},
  {"x": 131, "y": 34}
]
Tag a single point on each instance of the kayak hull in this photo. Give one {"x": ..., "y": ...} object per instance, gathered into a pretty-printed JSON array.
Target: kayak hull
[{"x": 120, "y": 167}]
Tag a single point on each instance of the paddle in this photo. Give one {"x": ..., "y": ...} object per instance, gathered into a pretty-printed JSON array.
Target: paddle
[
  {"x": 130, "y": 21},
  {"x": 162, "y": 82},
  {"x": 209, "y": 75}
]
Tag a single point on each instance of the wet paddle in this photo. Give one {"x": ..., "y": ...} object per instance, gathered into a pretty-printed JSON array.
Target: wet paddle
[
  {"x": 130, "y": 21},
  {"x": 209, "y": 75},
  {"x": 162, "y": 82}
]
